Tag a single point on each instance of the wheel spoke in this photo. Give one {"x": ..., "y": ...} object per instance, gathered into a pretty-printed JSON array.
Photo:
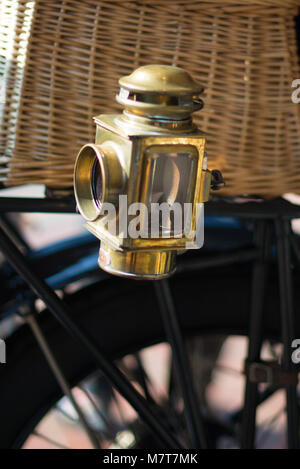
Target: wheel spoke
[
  {"x": 62, "y": 313},
  {"x": 143, "y": 378},
  {"x": 49, "y": 440},
  {"x": 181, "y": 364},
  {"x": 271, "y": 425},
  {"x": 100, "y": 413},
  {"x": 61, "y": 379}
]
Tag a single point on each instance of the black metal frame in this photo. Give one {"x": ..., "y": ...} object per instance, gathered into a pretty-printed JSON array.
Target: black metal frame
[
  {"x": 280, "y": 226},
  {"x": 283, "y": 233},
  {"x": 259, "y": 278},
  {"x": 276, "y": 213}
]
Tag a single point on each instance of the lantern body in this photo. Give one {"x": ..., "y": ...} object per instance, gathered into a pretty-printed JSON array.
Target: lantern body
[{"x": 142, "y": 185}]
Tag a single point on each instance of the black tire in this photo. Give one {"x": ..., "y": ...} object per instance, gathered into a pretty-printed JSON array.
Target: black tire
[{"x": 122, "y": 316}]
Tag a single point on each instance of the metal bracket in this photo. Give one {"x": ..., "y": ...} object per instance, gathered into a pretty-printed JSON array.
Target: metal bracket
[{"x": 271, "y": 373}]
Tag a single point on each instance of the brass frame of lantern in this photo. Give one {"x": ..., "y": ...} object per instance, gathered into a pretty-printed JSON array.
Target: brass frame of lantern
[
  {"x": 137, "y": 179},
  {"x": 158, "y": 103}
]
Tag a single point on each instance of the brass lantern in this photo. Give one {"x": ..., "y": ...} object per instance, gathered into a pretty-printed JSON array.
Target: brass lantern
[{"x": 151, "y": 155}]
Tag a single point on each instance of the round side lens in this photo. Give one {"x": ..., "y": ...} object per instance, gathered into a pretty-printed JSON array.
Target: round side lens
[
  {"x": 97, "y": 183},
  {"x": 89, "y": 182}
]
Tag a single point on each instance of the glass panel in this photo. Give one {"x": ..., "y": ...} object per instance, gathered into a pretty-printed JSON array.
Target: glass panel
[
  {"x": 171, "y": 177},
  {"x": 171, "y": 182}
]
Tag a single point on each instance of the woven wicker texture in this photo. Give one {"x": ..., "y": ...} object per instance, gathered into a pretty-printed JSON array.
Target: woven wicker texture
[{"x": 243, "y": 52}]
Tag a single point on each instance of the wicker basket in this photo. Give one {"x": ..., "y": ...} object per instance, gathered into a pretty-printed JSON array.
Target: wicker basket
[{"x": 243, "y": 52}]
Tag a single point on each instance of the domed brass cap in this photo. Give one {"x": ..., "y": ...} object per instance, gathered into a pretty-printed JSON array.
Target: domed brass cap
[
  {"x": 161, "y": 79},
  {"x": 160, "y": 91}
]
